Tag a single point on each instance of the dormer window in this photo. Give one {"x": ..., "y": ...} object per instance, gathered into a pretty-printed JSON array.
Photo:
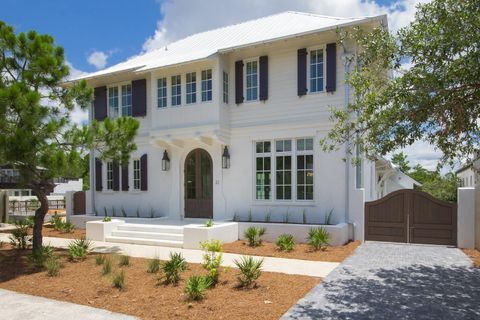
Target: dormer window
[{"x": 251, "y": 80}]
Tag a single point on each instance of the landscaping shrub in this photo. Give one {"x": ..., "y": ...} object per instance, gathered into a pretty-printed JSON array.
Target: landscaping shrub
[
  {"x": 254, "y": 236},
  {"x": 40, "y": 256},
  {"x": 30, "y": 221},
  {"x": 19, "y": 237},
  {"x": 250, "y": 270},
  {"x": 285, "y": 242},
  {"x": 67, "y": 227},
  {"x": 100, "y": 259},
  {"x": 118, "y": 280},
  {"x": 107, "y": 219},
  {"x": 212, "y": 259},
  {"x": 106, "y": 267},
  {"x": 79, "y": 249},
  {"x": 173, "y": 267},
  {"x": 318, "y": 238},
  {"x": 124, "y": 261},
  {"x": 196, "y": 287},
  {"x": 153, "y": 265},
  {"x": 57, "y": 222},
  {"x": 52, "y": 265},
  {"x": 209, "y": 223}
]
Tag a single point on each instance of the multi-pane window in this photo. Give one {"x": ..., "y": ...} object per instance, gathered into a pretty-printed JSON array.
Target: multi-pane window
[
  {"x": 162, "y": 92},
  {"x": 113, "y": 111},
  {"x": 136, "y": 174},
  {"x": 176, "y": 90},
  {"x": 225, "y": 87},
  {"x": 263, "y": 170},
  {"x": 127, "y": 100},
  {"x": 304, "y": 169},
  {"x": 109, "y": 175},
  {"x": 283, "y": 168},
  {"x": 207, "y": 85},
  {"x": 191, "y": 81},
  {"x": 316, "y": 70},
  {"x": 251, "y": 75}
]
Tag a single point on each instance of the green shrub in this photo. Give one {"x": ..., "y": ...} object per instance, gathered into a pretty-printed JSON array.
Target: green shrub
[
  {"x": 107, "y": 219},
  {"x": 250, "y": 270},
  {"x": 328, "y": 216},
  {"x": 173, "y": 267},
  {"x": 212, "y": 259},
  {"x": 67, "y": 227},
  {"x": 52, "y": 265},
  {"x": 118, "y": 280},
  {"x": 30, "y": 221},
  {"x": 153, "y": 265},
  {"x": 318, "y": 238},
  {"x": 57, "y": 222},
  {"x": 209, "y": 223},
  {"x": 123, "y": 261},
  {"x": 40, "y": 256},
  {"x": 285, "y": 242},
  {"x": 19, "y": 237},
  {"x": 106, "y": 267},
  {"x": 79, "y": 249},
  {"x": 254, "y": 236},
  {"x": 100, "y": 259},
  {"x": 196, "y": 287}
]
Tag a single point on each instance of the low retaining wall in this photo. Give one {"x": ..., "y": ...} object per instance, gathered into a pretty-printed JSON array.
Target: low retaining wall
[
  {"x": 79, "y": 221},
  {"x": 338, "y": 233},
  {"x": 99, "y": 230},
  {"x": 194, "y": 234}
]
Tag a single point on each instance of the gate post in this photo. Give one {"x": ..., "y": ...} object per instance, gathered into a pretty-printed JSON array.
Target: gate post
[
  {"x": 69, "y": 204},
  {"x": 357, "y": 213},
  {"x": 466, "y": 218}
]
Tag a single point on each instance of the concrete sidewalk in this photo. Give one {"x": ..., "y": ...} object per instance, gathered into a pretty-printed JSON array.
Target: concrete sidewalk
[
  {"x": 22, "y": 306},
  {"x": 289, "y": 266}
]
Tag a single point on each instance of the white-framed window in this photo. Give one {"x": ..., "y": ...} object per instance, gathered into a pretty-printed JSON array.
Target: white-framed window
[
  {"x": 316, "y": 70},
  {"x": 136, "y": 174},
  {"x": 251, "y": 80},
  {"x": 191, "y": 87},
  {"x": 176, "y": 90},
  {"x": 225, "y": 87},
  {"x": 126, "y": 100},
  {"x": 162, "y": 92},
  {"x": 283, "y": 169},
  {"x": 263, "y": 170},
  {"x": 305, "y": 172},
  {"x": 109, "y": 175},
  {"x": 113, "y": 111},
  {"x": 207, "y": 85}
]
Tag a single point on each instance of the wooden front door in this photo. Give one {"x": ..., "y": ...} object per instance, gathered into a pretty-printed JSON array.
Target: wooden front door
[{"x": 198, "y": 185}]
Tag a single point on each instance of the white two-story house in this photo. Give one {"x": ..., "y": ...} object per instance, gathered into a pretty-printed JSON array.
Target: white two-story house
[{"x": 230, "y": 123}]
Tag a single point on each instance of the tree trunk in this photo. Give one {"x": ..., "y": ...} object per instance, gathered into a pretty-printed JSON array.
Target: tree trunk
[{"x": 39, "y": 218}]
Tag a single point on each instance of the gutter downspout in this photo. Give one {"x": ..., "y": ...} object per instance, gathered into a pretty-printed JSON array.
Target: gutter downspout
[{"x": 92, "y": 166}]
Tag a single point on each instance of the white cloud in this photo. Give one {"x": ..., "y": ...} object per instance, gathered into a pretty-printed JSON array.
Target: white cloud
[{"x": 98, "y": 59}]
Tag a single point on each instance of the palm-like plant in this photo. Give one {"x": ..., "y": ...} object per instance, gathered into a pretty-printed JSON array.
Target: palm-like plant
[
  {"x": 250, "y": 270},
  {"x": 173, "y": 267},
  {"x": 254, "y": 236},
  {"x": 285, "y": 242},
  {"x": 318, "y": 238}
]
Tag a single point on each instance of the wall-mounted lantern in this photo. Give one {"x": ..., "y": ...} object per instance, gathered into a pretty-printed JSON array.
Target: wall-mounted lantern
[
  {"x": 225, "y": 158},
  {"x": 165, "y": 161}
]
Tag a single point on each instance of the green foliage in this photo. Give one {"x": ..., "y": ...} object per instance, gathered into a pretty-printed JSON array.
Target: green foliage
[
  {"x": 444, "y": 188},
  {"x": 318, "y": 238},
  {"x": 285, "y": 242},
  {"x": 100, "y": 259},
  {"x": 123, "y": 261},
  {"x": 30, "y": 221},
  {"x": 68, "y": 227},
  {"x": 328, "y": 217},
  {"x": 268, "y": 216},
  {"x": 57, "y": 222},
  {"x": 106, "y": 267},
  {"x": 105, "y": 213},
  {"x": 196, "y": 287},
  {"x": 52, "y": 265},
  {"x": 212, "y": 259},
  {"x": 304, "y": 216},
  {"x": 400, "y": 159},
  {"x": 250, "y": 270},
  {"x": 250, "y": 215},
  {"x": 118, "y": 280},
  {"x": 209, "y": 223},
  {"x": 254, "y": 236},
  {"x": 153, "y": 265},
  {"x": 41, "y": 255},
  {"x": 124, "y": 213},
  {"x": 107, "y": 219},
  {"x": 173, "y": 267},
  {"x": 19, "y": 237},
  {"x": 78, "y": 249},
  {"x": 436, "y": 100},
  {"x": 113, "y": 211}
]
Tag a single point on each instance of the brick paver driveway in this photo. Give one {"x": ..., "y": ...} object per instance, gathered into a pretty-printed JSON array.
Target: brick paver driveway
[{"x": 396, "y": 281}]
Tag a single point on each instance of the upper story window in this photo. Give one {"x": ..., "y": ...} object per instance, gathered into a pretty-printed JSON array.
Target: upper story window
[
  {"x": 127, "y": 100},
  {"x": 207, "y": 85},
  {"x": 251, "y": 78},
  {"x": 162, "y": 92},
  {"x": 191, "y": 81},
  {"x": 136, "y": 174},
  {"x": 109, "y": 175},
  {"x": 176, "y": 90},
  {"x": 316, "y": 70},
  {"x": 113, "y": 111},
  {"x": 225, "y": 87}
]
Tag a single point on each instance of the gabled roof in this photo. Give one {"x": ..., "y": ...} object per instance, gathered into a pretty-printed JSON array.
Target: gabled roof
[{"x": 206, "y": 44}]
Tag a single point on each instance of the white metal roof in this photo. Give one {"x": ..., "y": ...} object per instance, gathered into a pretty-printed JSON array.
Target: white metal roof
[{"x": 206, "y": 44}]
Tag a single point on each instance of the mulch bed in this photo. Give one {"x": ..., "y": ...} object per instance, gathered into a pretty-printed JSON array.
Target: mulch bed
[
  {"x": 474, "y": 255},
  {"x": 48, "y": 231},
  {"x": 301, "y": 251},
  {"x": 82, "y": 283}
]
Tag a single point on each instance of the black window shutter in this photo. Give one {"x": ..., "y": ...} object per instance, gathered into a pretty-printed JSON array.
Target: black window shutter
[
  {"x": 139, "y": 98},
  {"x": 263, "y": 77},
  {"x": 302, "y": 72},
  {"x": 125, "y": 177},
  {"x": 239, "y": 82},
  {"x": 100, "y": 103},
  {"x": 98, "y": 174},
  {"x": 143, "y": 173},
  {"x": 331, "y": 67},
  {"x": 116, "y": 176}
]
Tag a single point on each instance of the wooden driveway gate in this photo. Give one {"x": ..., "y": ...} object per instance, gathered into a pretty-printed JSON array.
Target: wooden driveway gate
[{"x": 411, "y": 216}]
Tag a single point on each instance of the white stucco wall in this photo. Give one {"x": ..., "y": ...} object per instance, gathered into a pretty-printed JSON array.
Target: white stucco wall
[{"x": 466, "y": 218}]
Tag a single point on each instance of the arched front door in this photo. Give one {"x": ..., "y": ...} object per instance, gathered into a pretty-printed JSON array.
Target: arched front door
[{"x": 198, "y": 185}]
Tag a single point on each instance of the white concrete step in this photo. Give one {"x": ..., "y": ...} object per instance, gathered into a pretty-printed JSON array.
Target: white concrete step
[
  {"x": 148, "y": 235},
  {"x": 151, "y": 228},
  {"x": 150, "y": 242}
]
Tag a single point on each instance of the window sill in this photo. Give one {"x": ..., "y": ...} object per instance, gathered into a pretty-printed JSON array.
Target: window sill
[
  {"x": 108, "y": 191},
  {"x": 287, "y": 203},
  {"x": 134, "y": 191}
]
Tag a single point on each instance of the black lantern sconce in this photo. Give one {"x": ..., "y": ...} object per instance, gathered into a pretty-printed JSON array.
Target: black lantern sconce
[
  {"x": 225, "y": 158},
  {"x": 165, "y": 161}
]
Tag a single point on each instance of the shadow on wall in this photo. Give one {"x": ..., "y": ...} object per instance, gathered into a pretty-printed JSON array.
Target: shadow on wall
[{"x": 416, "y": 292}]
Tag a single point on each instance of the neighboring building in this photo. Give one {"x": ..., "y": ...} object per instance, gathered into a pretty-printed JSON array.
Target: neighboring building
[
  {"x": 390, "y": 178},
  {"x": 466, "y": 176},
  {"x": 236, "y": 114}
]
